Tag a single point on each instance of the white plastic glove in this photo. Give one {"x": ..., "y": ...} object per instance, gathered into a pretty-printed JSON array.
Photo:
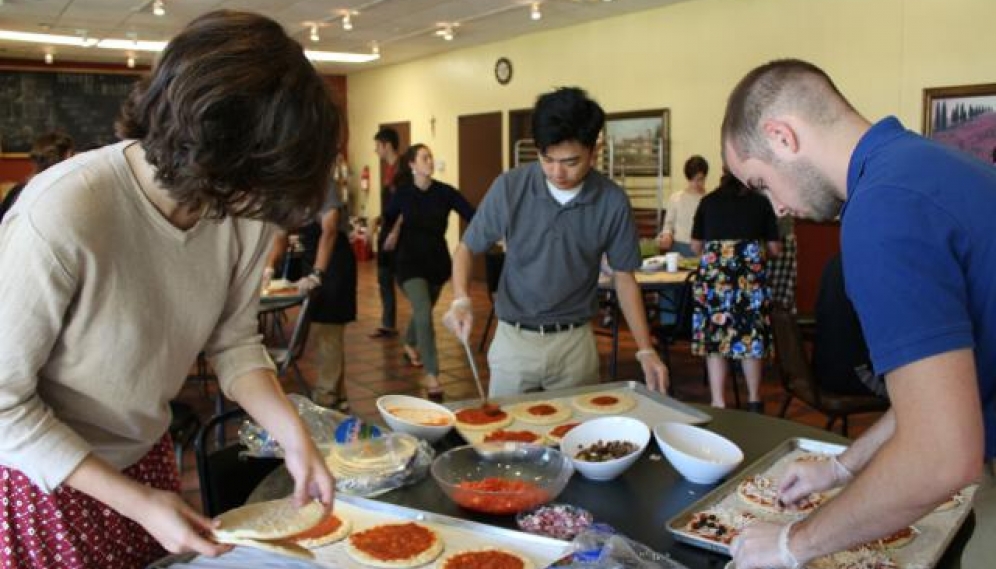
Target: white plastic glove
[
  {"x": 307, "y": 284},
  {"x": 460, "y": 318},
  {"x": 803, "y": 478}
]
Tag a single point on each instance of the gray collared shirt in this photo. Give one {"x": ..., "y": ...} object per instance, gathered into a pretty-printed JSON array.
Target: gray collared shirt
[{"x": 553, "y": 251}]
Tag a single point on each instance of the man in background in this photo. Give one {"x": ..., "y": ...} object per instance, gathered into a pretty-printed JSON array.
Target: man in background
[
  {"x": 386, "y": 144},
  {"x": 47, "y": 150}
]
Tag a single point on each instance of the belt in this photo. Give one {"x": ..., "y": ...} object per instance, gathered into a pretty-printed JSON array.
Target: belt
[{"x": 547, "y": 328}]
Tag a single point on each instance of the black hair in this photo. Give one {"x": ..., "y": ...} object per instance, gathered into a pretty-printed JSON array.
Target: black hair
[
  {"x": 566, "y": 114},
  {"x": 388, "y": 135},
  {"x": 694, "y": 166},
  {"x": 404, "y": 175}
]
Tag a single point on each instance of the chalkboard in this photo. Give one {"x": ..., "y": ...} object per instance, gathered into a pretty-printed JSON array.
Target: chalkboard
[{"x": 82, "y": 104}]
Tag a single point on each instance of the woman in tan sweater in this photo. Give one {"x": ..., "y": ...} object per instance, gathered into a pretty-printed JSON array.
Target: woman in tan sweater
[{"x": 118, "y": 266}]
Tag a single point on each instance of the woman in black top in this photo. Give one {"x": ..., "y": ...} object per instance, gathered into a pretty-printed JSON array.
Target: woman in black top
[
  {"x": 735, "y": 230},
  {"x": 422, "y": 258}
]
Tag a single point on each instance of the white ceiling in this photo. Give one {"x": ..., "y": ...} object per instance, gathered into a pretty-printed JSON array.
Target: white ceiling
[{"x": 404, "y": 29}]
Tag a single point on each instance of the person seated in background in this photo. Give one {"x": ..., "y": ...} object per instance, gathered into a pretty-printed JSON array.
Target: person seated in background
[
  {"x": 841, "y": 361},
  {"x": 676, "y": 235},
  {"x": 47, "y": 150}
]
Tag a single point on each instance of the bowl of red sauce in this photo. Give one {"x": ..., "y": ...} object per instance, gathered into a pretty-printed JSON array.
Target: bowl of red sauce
[{"x": 502, "y": 478}]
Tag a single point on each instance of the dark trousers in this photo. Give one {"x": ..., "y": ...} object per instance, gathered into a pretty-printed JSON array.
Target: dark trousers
[{"x": 388, "y": 298}]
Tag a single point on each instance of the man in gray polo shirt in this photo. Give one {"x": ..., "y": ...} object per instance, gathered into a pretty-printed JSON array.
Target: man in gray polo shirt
[{"x": 558, "y": 217}]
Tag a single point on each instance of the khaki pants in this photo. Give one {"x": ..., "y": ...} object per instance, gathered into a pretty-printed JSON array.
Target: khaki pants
[
  {"x": 980, "y": 551},
  {"x": 331, "y": 383},
  {"x": 523, "y": 361}
]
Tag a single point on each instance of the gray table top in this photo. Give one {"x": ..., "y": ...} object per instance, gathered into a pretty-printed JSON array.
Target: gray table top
[{"x": 641, "y": 501}]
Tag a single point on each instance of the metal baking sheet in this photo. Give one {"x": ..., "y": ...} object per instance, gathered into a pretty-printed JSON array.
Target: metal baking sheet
[
  {"x": 652, "y": 407},
  {"x": 457, "y": 535},
  {"x": 937, "y": 529}
]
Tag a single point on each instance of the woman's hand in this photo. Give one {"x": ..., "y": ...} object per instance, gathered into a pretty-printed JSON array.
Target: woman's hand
[
  {"x": 175, "y": 525},
  {"x": 312, "y": 479}
]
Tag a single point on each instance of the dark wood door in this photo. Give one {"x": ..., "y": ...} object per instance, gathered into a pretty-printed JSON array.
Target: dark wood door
[{"x": 480, "y": 163}]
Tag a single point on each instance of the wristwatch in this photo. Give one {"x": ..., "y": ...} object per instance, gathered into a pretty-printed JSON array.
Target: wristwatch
[{"x": 318, "y": 274}]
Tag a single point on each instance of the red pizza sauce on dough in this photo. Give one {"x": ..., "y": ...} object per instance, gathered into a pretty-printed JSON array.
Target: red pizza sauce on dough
[
  {"x": 489, "y": 559},
  {"x": 605, "y": 400},
  {"x": 501, "y": 435},
  {"x": 542, "y": 410},
  {"x": 394, "y": 541},
  {"x": 481, "y": 415},
  {"x": 325, "y": 527},
  {"x": 562, "y": 430}
]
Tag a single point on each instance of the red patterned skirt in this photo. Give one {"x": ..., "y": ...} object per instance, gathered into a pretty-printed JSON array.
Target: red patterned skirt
[{"x": 68, "y": 528}]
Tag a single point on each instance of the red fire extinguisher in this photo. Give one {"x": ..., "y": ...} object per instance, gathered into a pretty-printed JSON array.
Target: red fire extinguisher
[{"x": 365, "y": 179}]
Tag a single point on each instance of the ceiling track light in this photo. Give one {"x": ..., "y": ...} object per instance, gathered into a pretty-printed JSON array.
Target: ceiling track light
[
  {"x": 534, "y": 12},
  {"x": 159, "y": 8},
  {"x": 347, "y": 21},
  {"x": 446, "y": 32},
  {"x": 130, "y": 62},
  {"x": 314, "y": 32},
  {"x": 375, "y": 48},
  {"x": 49, "y": 58}
]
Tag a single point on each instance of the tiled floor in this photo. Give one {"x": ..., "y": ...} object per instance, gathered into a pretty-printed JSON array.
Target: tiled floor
[{"x": 375, "y": 367}]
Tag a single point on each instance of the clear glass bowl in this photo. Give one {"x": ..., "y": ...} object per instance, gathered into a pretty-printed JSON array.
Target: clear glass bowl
[{"x": 502, "y": 478}]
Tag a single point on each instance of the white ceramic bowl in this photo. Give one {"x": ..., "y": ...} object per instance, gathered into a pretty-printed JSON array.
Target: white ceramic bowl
[
  {"x": 408, "y": 420},
  {"x": 605, "y": 429},
  {"x": 701, "y": 456}
]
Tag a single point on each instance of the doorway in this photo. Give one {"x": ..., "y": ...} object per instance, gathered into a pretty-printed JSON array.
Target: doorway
[{"x": 480, "y": 163}]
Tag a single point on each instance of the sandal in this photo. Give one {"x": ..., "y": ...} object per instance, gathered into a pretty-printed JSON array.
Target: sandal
[{"x": 412, "y": 361}]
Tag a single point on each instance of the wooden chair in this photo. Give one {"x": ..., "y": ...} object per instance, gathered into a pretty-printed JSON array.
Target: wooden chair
[
  {"x": 796, "y": 374},
  {"x": 226, "y": 477}
]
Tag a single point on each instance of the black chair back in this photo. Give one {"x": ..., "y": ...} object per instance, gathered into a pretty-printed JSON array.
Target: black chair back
[{"x": 226, "y": 478}]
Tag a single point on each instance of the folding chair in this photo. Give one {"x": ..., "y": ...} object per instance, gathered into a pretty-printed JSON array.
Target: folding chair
[
  {"x": 286, "y": 357},
  {"x": 226, "y": 478}
]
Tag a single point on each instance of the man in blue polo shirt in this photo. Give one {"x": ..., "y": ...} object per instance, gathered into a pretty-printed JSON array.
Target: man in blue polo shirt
[
  {"x": 919, "y": 262},
  {"x": 557, "y": 217}
]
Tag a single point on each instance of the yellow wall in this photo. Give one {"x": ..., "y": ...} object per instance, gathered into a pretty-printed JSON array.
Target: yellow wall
[{"x": 686, "y": 57}]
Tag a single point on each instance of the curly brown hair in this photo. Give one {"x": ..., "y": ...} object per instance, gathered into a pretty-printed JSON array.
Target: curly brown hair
[{"x": 235, "y": 120}]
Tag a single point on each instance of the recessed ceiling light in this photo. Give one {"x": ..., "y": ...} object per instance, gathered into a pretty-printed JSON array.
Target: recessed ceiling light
[
  {"x": 159, "y": 8},
  {"x": 49, "y": 58},
  {"x": 314, "y": 32},
  {"x": 130, "y": 62},
  {"x": 535, "y": 13}
]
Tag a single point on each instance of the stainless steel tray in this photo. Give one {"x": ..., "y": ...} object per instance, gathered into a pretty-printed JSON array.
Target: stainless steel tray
[
  {"x": 651, "y": 407},
  {"x": 937, "y": 529},
  {"x": 457, "y": 535}
]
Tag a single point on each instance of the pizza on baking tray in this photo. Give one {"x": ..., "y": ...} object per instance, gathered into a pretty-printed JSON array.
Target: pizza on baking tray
[
  {"x": 489, "y": 558},
  {"x": 330, "y": 530},
  {"x": 395, "y": 546},
  {"x": 762, "y": 493},
  {"x": 270, "y": 526},
  {"x": 718, "y": 526},
  {"x": 604, "y": 402},
  {"x": 956, "y": 499},
  {"x": 896, "y": 539},
  {"x": 855, "y": 558},
  {"x": 482, "y": 418},
  {"x": 523, "y": 436},
  {"x": 541, "y": 412},
  {"x": 558, "y": 433}
]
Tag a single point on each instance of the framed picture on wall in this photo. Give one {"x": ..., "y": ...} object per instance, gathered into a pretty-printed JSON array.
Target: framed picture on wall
[
  {"x": 963, "y": 117},
  {"x": 641, "y": 141}
]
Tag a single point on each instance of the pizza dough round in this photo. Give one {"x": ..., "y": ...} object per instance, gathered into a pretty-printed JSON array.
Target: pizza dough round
[
  {"x": 324, "y": 533},
  {"x": 288, "y": 548},
  {"x": 477, "y": 558},
  {"x": 428, "y": 554},
  {"x": 604, "y": 402},
  {"x": 502, "y": 419},
  {"x": 541, "y": 412},
  {"x": 270, "y": 520},
  {"x": 761, "y": 492}
]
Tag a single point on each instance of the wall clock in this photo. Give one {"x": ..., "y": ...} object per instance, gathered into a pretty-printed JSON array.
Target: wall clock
[{"x": 503, "y": 70}]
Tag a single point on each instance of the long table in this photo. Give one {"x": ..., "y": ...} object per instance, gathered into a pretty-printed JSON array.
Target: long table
[{"x": 639, "y": 502}]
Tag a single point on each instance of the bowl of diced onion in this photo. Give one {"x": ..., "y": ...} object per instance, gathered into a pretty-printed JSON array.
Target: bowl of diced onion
[{"x": 602, "y": 449}]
